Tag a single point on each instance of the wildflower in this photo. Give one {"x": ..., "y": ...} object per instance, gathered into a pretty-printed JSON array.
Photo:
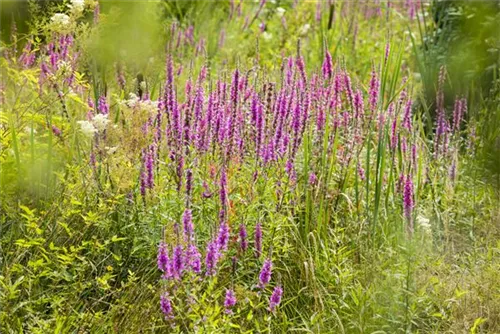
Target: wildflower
[
  {"x": 87, "y": 128},
  {"x": 280, "y": 11},
  {"x": 243, "y": 238},
  {"x": 223, "y": 188},
  {"x": 229, "y": 301},
  {"x": 189, "y": 182},
  {"x": 187, "y": 219},
  {"x": 194, "y": 258},
  {"x": 304, "y": 29},
  {"x": 77, "y": 6},
  {"x": 211, "y": 258},
  {"x": 258, "y": 239},
  {"x": 166, "y": 306},
  {"x": 374, "y": 91},
  {"x": 206, "y": 191},
  {"x": 327, "y": 67},
  {"x": 178, "y": 262},
  {"x": 60, "y": 20},
  {"x": 100, "y": 121},
  {"x": 223, "y": 237},
  {"x": 313, "y": 179},
  {"x": 275, "y": 299},
  {"x": 423, "y": 223},
  {"x": 267, "y": 36},
  {"x": 163, "y": 260},
  {"x": 265, "y": 273},
  {"x": 407, "y": 116},
  {"x": 56, "y": 131},
  {"x": 408, "y": 197},
  {"x": 361, "y": 172},
  {"x": 102, "y": 105}
]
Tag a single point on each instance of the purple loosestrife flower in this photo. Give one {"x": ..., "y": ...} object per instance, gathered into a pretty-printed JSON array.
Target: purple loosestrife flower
[
  {"x": 223, "y": 188},
  {"x": 189, "y": 182},
  {"x": 163, "y": 260},
  {"x": 166, "y": 306},
  {"x": 223, "y": 236},
  {"x": 258, "y": 239},
  {"x": 149, "y": 166},
  {"x": 206, "y": 191},
  {"x": 407, "y": 116},
  {"x": 229, "y": 301},
  {"x": 374, "y": 91},
  {"x": 211, "y": 258},
  {"x": 102, "y": 105},
  {"x": 327, "y": 67},
  {"x": 194, "y": 258},
  {"x": 96, "y": 13},
  {"x": 457, "y": 110},
  {"x": 408, "y": 197},
  {"x": 275, "y": 299},
  {"x": 348, "y": 87},
  {"x": 394, "y": 134},
  {"x": 313, "y": 179},
  {"x": 265, "y": 273},
  {"x": 243, "y": 237},
  {"x": 178, "y": 262},
  {"x": 187, "y": 219},
  {"x": 358, "y": 105},
  {"x": 143, "y": 181},
  {"x": 387, "y": 51},
  {"x": 56, "y": 131},
  {"x": 361, "y": 172}
]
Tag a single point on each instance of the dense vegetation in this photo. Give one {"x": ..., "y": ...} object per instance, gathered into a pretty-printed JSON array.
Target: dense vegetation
[{"x": 257, "y": 167}]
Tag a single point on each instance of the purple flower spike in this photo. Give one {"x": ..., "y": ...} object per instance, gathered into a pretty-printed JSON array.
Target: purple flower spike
[
  {"x": 102, "y": 105},
  {"x": 265, "y": 273},
  {"x": 211, "y": 258},
  {"x": 163, "y": 260},
  {"x": 275, "y": 299},
  {"x": 56, "y": 131},
  {"x": 223, "y": 237},
  {"x": 178, "y": 262},
  {"x": 327, "y": 65},
  {"x": 194, "y": 258},
  {"x": 313, "y": 179},
  {"x": 187, "y": 219},
  {"x": 408, "y": 199},
  {"x": 258, "y": 239},
  {"x": 229, "y": 301},
  {"x": 243, "y": 238},
  {"x": 166, "y": 306}
]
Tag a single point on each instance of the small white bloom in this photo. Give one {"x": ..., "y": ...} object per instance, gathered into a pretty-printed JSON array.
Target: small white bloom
[
  {"x": 87, "y": 128},
  {"x": 424, "y": 223},
  {"x": 267, "y": 36},
  {"x": 100, "y": 121},
  {"x": 280, "y": 11},
  {"x": 77, "y": 6},
  {"x": 132, "y": 100},
  {"x": 60, "y": 20},
  {"x": 304, "y": 29}
]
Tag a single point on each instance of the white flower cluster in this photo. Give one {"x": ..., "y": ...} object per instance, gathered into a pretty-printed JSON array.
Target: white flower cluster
[
  {"x": 98, "y": 124},
  {"x": 304, "y": 29},
  {"x": 134, "y": 102},
  {"x": 77, "y": 6},
  {"x": 60, "y": 21},
  {"x": 280, "y": 11}
]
